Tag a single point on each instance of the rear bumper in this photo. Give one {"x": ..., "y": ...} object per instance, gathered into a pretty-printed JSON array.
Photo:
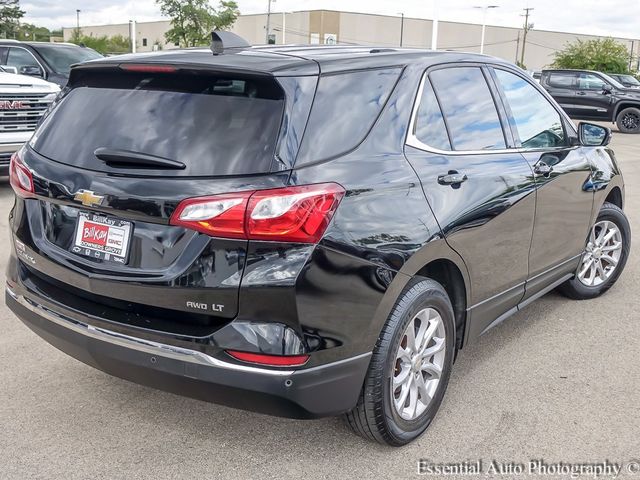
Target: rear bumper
[{"x": 320, "y": 391}]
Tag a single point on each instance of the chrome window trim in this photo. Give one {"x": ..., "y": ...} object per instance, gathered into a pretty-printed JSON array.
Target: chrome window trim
[{"x": 413, "y": 141}]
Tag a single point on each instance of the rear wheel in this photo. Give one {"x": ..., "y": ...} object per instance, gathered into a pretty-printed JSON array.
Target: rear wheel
[
  {"x": 409, "y": 369},
  {"x": 628, "y": 120},
  {"x": 604, "y": 257}
]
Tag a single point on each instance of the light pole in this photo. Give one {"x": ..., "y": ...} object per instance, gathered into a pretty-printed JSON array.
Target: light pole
[
  {"x": 78, "y": 23},
  {"x": 434, "y": 26},
  {"x": 269, "y": 19},
  {"x": 401, "y": 26},
  {"x": 484, "y": 9}
]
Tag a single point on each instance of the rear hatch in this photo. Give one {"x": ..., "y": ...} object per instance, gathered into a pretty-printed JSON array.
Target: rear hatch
[{"x": 111, "y": 162}]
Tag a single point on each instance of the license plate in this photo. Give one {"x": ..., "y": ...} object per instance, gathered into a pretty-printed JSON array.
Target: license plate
[{"x": 105, "y": 238}]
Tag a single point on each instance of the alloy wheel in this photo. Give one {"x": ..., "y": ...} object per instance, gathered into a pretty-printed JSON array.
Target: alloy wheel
[
  {"x": 418, "y": 364},
  {"x": 601, "y": 255},
  {"x": 631, "y": 121}
]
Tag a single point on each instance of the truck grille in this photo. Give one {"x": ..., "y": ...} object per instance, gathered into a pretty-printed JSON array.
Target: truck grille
[
  {"x": 5, "y": 159},
  {"x": 21, "y": 113}
]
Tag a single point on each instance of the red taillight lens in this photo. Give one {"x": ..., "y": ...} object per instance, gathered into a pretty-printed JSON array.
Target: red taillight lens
[
  {"x": 20, "y": 177},
  {"x": 270, "y": 360},
  {"x": 290, "y": 214},
  {"x": 293, "y": 214},
  {"x": 219, "y": 215}
]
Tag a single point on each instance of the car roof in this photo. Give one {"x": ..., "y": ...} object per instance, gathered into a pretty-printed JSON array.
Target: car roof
[
  {"x": 10, "y": 41},
  {"x": 298, "y": 59}
]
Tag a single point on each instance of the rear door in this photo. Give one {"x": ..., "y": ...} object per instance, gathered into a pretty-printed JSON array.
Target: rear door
[
  {"x": 562, "y": 175},
  {"x": 114, "y": 158},
  {"x": 562, "y": 87},
  {"x": 481, "y": 191}
]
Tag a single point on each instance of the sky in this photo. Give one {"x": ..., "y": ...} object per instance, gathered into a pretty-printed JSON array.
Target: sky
[{"x": 618, "y": 18}]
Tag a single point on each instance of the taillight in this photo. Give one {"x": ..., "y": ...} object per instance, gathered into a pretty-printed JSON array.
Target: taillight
[
  {"x": 20, "y": 177},
  {"x": 270, "y": 360},
  {"x": 290, "y": 214}
]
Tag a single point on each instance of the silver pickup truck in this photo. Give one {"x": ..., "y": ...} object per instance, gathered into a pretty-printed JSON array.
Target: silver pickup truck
[{"x": 23, "y": 101}]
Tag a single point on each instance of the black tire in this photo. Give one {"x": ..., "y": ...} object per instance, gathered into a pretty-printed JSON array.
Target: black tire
[
  {"x": 628, "y": 120},
  {"x": 574, "y": 288},
  {"x": 375, "y": 417}
]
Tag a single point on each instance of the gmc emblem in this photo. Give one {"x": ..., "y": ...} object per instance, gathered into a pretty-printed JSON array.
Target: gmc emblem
[{"x": 12, "y": 105}]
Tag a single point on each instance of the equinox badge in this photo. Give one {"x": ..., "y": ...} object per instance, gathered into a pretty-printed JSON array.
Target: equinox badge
[{"x": 88, "y": 198}]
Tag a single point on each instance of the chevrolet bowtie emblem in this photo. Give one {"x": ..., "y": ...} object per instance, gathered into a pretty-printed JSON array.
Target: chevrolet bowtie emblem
[{"x": 88, "y": 198}]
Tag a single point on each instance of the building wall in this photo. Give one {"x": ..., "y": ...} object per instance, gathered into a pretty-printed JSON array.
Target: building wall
[{"x": 327, "y": 26}]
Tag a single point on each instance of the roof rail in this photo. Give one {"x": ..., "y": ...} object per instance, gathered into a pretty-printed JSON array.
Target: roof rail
[{"x": 221, "y": 41}]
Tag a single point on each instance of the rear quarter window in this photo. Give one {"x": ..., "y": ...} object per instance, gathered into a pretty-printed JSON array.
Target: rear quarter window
[{"x": 345, "y": 108}]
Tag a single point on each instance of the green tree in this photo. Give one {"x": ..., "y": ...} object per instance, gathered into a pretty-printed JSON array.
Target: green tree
[
  {"x": 193, "y": 20},
  {"x": 103, "y": 44},
  {"x": 604, "y": 55},
  {"x": 27, "y": 31},
  {"x": 10, "y": 15}
]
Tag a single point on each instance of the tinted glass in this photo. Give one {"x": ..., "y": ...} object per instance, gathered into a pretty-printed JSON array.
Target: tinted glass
[
  {"x": 19, "y": 57},
  {"x": 468, "y": 108},
  {"x": 229, "y": 126},
  {"x": 561, "y": 80},
  {"x": 539, "y": 124},
  {"x": 588, "y": 81},
  {"x": 61, "y": 57},
  {"x": 344, "y": 110},
  {"x": 429, "y": 125}
]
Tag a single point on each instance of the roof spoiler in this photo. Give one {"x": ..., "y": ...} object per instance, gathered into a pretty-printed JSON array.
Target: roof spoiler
[{"x": 221, "y": 41}]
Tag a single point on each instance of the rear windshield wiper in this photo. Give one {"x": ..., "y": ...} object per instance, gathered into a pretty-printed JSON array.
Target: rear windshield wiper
[{"x": 127, "y": 158}]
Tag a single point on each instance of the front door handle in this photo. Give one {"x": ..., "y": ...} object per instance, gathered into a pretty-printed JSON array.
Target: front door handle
[
  {"x": 581, "y": 93},
  {"x": 542, "y": 168},
  {"x": 453, "y": 178}
]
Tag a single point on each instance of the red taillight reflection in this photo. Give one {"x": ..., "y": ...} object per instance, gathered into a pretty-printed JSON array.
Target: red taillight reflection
[
  {"x": 20, "y": 177},
  {"x": 270, "y": 360},
  {"x": 290, "y": 214}
]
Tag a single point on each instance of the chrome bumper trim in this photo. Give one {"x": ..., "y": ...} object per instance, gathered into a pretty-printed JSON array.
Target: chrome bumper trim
[{"x": 139, "y": 344}]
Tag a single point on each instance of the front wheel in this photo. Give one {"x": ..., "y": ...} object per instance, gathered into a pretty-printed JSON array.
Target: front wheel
[
  {"x": 628, "y": 120},
  {"x": 604, "y": 257},
  {"x": 409, "y": 368}
]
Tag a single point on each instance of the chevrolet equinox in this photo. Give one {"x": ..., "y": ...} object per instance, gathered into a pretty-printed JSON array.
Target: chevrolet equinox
[{"x": 304, "y": 231}]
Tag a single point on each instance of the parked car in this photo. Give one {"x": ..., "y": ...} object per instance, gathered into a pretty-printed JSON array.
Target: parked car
[
  {"x": 589, "y": 95},
  {"x": 305, "y": 231},
  {"x": 50, "y": 61},
  {"x": 23, "y": 101},
  {"x": 628, "y": 81}
]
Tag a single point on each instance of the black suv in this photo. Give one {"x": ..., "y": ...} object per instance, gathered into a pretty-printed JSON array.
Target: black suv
[
  {"x": 51, "y": 61},
  {"x": 588, "y": 95},
  {"x": 304, "y": 231},
  {"x": 626, "y": 80}
]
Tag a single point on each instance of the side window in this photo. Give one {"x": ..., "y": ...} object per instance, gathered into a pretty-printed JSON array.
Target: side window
[
  {"x": 561, "y": 80},
  {"x": 539, "y": 124},
  {"x": 429, "y": 125},
  {"x": 19, "y": 57},
  {"x": 587, "y": 81},
  {"x": 344, "y": 109},
  {"x": 468, "y": 108}
]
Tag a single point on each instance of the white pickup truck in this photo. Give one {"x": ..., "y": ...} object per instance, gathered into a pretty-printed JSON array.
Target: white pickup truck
[{"x": 23, "y": 101}]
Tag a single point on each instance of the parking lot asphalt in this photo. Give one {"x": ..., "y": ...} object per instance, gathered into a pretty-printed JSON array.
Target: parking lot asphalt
[{"x": 559, "y": 381}]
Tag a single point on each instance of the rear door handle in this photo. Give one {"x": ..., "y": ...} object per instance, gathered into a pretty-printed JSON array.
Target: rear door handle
[
  {"x": 581, "y": 93},
  {"x": 541, "y": 168},
  {"x": 452, "y": 178}
]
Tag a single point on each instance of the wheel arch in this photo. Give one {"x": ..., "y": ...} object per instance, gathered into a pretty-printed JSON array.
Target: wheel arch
[
  {"x": 438, "y": 261},
  {"x": 621, "y": 106}
]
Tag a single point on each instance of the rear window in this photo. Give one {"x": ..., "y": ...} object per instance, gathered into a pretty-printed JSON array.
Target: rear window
[
  {"x": 213, "y": 125},
  {"x": 561, "y": 80}
]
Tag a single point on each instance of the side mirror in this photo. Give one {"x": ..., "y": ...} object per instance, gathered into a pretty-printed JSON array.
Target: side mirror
[
  {"x": 607, "y": 89},
  {"x": 31, "y": 70},
  {"x": 592, "y": 135},
  {"x": 8, "y": 69}
]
